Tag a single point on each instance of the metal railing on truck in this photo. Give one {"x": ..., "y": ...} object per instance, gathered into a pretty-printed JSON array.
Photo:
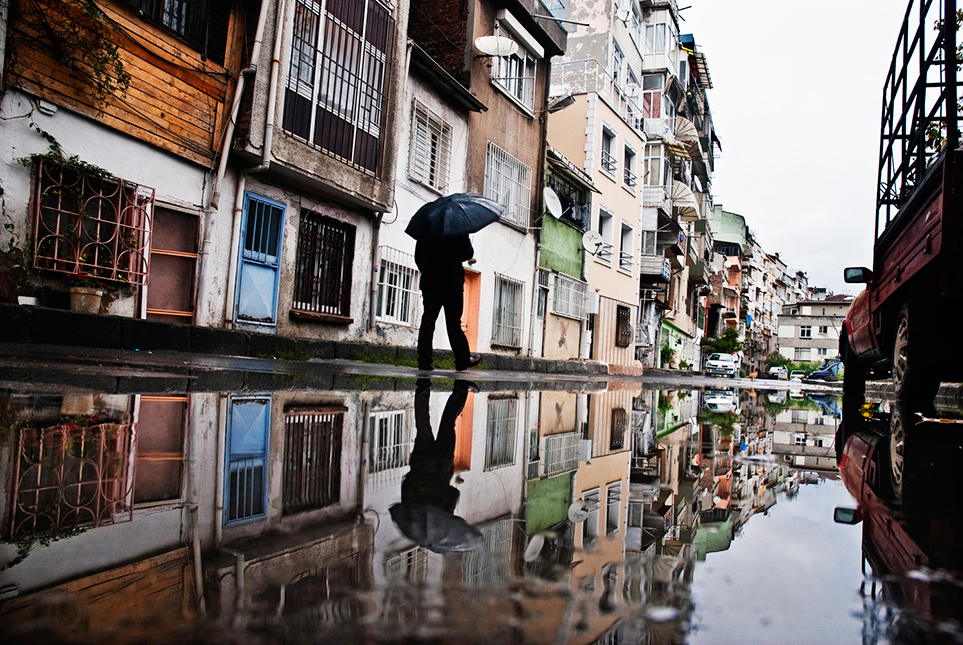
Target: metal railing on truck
[{"x": 920, "y": 105}]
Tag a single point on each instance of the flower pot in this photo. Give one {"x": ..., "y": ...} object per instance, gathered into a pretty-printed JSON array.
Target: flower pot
[
  {"x": 30, "y": 301},
  {"x": 86, "y": 299}
]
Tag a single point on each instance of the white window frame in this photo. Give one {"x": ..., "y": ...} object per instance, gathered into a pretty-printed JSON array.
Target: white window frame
[
  {"x": 398, "y": 280},
  {"x": 515, "y": 76},
  {"x": 508, "y": 181},
  {"x": 630, "y": 174},
  {"x": 390, "y": 440},
  {"x": 569, "y": 296},
  {"x": 429, "y": 153},
  {"x": 805, "y": 331},
  {"x": 613, "y": 506},
  {"x": 607, "y": 159},
  {"x": 590, "y": 527},
  {"x": 606, "y": 228},
  {"x": 501, "y": 432},
  {"x": 561, "y": 453},
  {"x": 626, "y": 247},
  {"x": 618, "y": 64},
  {"x": 507, "y": 311}
]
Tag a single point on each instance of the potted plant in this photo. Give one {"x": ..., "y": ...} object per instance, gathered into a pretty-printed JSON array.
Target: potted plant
[{"x": 86, "y": 293}]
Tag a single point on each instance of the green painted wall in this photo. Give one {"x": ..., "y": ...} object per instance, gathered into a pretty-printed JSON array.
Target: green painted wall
[
  {"x": 547, "y": 502},
  {"x": 561, "y": 248}
]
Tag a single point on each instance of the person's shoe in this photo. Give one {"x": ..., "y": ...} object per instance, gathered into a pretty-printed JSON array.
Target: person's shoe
[
  {"x": 473, "y": 360},
  {"x": 424, "y": 367}
]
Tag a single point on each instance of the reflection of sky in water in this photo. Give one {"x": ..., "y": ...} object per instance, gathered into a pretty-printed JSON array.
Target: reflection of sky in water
[{"x": 791, "y": 576}]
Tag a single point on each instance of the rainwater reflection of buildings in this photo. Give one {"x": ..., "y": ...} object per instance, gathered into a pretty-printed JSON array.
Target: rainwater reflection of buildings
[{"x": 269, "y": 511}]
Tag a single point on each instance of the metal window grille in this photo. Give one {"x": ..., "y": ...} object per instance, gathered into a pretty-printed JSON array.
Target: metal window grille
[
  {"x": 491, "y": 567},
  {"x": 613, "y": 502},
  {"x": 67, "y": 476},
  {"x": 397, "y": 287},
  {"x": 429, "y": 156},
  {"x": 516, "y": 75},
  {"x": 501, "y": 432},
  {"x": 87, "y": 223},
  {"x": 507, "y": 324},
  {"x": 322, "y": 278},
  {"x": 262, "y": 232},
  {"x": 608, "y": 161},
  {"x": 407, "y": 566},
  {"x": 620, "y": 423},
  {"x": 508, "y": 181},
  {"x": 630, "y": 178},
  {"x": 334, "y": 96},
  {"x": 561, "y": 453},
  {"x": 202, "y": 23},
  {"x": 569, "y": 297},
  {"x": 312, "y": 458},
  {"x": 623, "y": 326},
  {"x": 389, "y": 438},
  {"x": 590, "y": 527}
]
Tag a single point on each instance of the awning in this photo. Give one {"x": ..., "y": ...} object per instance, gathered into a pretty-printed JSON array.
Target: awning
[
  {"x": 685, "y": 130},
  {"x": 685, "y": 201},
  {"x": 676, "y": 150},
  {"x": 701, "y": 69}
]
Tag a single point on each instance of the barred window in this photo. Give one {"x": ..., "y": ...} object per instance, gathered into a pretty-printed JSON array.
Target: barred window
[
  {"x": 322, "y": 278},
  {"x": 508, "y": 181},
  {"x": 508, "y": 314},
  {"x": 561, "y": 453},
  {"x": 569, "y": 297},
  {"x": 613, "y": 504},
  {"x": 202, "y": 23},
  {"x": 516, "y": 75},
  {"x": 249, "y": 421},
  {"x": 92, "y": 223},
  {"x": 501, "y": 431},
  {"x": 407, "y": 566},
  {"x": 429, "y": 156},
  {"x": 590, "y": 527},
  {"x": 397, "y": 287},
  {"x": 312, "y": 457},
  {"x": 334, "y": 94},
  {"x": 389, "y": 438}
]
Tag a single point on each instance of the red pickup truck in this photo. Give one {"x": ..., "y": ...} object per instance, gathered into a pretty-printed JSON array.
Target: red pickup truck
[{"x": 902, "y": 321}]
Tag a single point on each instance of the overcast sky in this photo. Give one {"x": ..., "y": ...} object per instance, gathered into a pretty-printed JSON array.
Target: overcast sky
[{"x": 796, "y": 101}]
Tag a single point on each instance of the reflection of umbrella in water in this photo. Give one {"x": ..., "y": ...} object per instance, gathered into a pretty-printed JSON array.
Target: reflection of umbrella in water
[
  {"x": 453, "y": 215},
  {"x": 436, "y": 529}
]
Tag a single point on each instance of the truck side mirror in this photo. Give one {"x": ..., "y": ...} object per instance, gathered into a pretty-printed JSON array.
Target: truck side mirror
[
  {"x": 857, "y": 275},
  {"x": 843, "y": 515}
]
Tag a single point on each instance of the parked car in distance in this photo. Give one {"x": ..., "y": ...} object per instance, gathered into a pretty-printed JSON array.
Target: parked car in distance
[
  {"x": 797, "y": 375},
  {"x": 828, "y": 371},
  {"x": 721, "y": 364},
  {"x": 720, "y": 401},
  {"x": 779, "y": 372}
]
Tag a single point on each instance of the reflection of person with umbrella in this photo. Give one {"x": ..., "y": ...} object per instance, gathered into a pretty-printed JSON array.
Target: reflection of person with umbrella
[
  {"x": 426, "y": 512},
  {"x": 441, "y": 229}
]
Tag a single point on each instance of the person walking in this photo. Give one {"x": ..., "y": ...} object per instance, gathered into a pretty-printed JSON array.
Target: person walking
[{"x": 442, "y": 287}]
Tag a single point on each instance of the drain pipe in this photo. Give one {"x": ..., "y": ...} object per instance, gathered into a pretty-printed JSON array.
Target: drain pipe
[
  {"x": 235, "y": 242},
  {"x": 375, "y": 269},
  {"x": 198, "y": 569},
  {"x": 249, "y": 71},
  {"x": 272, "y": 89}
]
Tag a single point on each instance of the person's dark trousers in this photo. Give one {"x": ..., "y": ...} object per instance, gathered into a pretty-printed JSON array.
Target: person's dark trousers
[{"x": 452, "y": 302}]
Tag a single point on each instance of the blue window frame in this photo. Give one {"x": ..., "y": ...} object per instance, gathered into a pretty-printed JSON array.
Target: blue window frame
[{"x": 245, "y": 479}]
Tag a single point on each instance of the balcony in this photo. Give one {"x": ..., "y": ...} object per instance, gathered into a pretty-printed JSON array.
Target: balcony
[
  {"x": 588, "y": 76},
  {"x": 655, "y": 197},
  {"x": 653, "y": 268},
  {"x": 698, "y": 273}
]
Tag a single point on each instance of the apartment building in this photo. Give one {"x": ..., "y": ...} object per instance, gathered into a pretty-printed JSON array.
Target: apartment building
[{"x": 809, "y": 330}]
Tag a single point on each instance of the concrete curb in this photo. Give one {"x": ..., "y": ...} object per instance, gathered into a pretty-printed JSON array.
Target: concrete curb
[{"x": 46, "y": 326}]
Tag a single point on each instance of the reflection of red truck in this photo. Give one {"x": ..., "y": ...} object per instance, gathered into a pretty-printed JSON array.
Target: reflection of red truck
[{"x": 914, "y": 291}]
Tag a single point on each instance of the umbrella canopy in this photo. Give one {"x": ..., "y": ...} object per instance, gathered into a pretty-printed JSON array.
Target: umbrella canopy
[
  {"x": 436, "y": 529},
  {"x": 453, "y": 216}
]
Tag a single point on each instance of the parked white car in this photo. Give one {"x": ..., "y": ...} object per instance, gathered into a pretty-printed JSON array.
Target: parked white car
[
  {"x": 721, "y": 364},
  {"x": 779, "y": 372},
  {"x": 797, "y": 375}
]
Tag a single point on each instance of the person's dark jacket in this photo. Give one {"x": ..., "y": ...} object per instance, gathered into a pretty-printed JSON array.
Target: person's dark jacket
[{"x": 440, "y": 262}]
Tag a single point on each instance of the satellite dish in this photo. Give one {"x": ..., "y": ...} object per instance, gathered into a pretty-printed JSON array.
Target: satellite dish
[
  {"x": 552, "y": 202},
  {"x": 592, "y": 242},
  {"x": 496, "y": 45},
  {"x": 578, "y": 511},
  {"x": 534, "y": 547}
]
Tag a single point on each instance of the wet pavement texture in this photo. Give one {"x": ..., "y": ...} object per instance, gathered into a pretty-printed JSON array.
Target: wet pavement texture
[{"x": 159, "y": 496}]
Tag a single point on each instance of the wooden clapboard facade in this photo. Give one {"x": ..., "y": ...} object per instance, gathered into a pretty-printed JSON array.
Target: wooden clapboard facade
[{"x": 180, "y": 86}]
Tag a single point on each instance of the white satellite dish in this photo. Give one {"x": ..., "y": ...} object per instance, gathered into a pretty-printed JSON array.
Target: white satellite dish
[
  {"x": 534, "y": 547},
  {"x": 592, "y": 242},
  {"x": 552, "y": 203},
  {"x": 578, "y": 511},
  {"x": 496, "y": 45}
]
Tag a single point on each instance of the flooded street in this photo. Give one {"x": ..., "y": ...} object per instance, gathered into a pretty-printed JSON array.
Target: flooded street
[{"x": 331, "y": 501}]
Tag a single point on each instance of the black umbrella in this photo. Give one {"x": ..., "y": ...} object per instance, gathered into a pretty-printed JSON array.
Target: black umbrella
[
  {"x": 453, "y": 215},
  {"x": 436, "y": 529}
]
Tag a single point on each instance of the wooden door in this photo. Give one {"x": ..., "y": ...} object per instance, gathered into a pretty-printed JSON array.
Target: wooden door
[{"x": 469, "y": 314}]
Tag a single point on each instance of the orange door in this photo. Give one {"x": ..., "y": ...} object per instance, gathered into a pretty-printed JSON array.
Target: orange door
[{"x": 469, "y": 314}]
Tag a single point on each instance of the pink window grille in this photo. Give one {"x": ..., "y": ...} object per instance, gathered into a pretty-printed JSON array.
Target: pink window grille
[
  {"x": 69, "y": 476},
  {"x": 88, "y": 222}
]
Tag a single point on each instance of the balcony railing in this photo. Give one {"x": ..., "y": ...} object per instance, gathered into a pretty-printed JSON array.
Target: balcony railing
[
  {"x": 654, "y": 267},
  {"x": 608, "y": 161},
  {"x": 630, "y": 178},
  {"x": 655, "y": 197},
  {"x": 625, "y": 261},
  {"x": 587, "y": 76}
]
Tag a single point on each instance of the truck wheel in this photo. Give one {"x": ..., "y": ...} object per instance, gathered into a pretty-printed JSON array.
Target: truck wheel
[
  {"x": 897, "y": 450},
  {"x": 914, "y": 378}
]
